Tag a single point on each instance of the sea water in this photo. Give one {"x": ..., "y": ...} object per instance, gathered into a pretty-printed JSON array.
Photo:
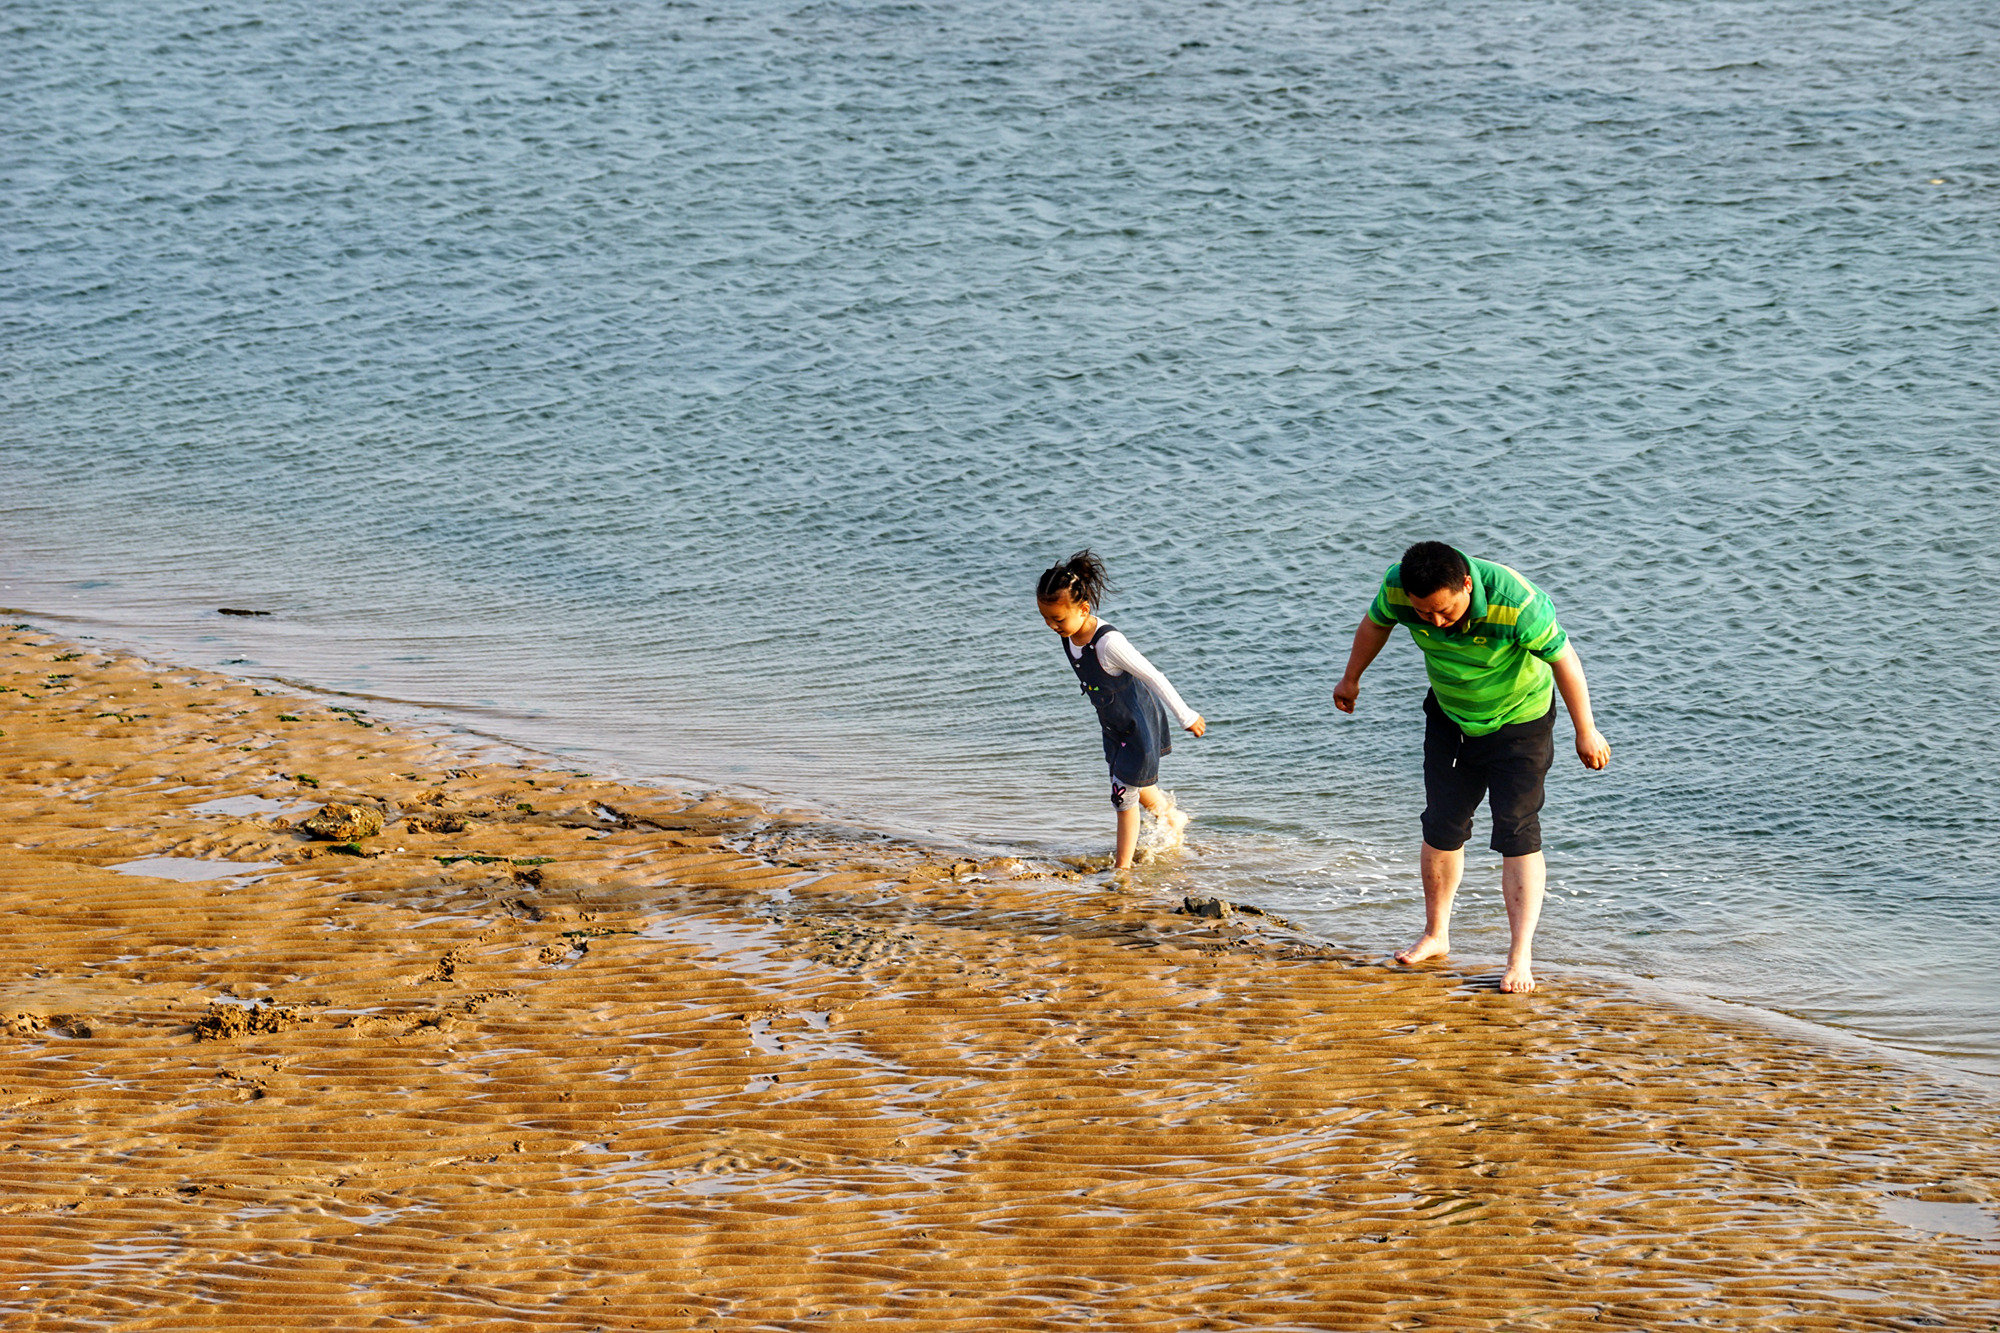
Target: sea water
[{"x": 697, "y": 389}]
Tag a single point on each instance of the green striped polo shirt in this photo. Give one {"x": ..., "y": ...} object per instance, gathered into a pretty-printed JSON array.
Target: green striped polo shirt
[{"x": 1492, "y": 668}]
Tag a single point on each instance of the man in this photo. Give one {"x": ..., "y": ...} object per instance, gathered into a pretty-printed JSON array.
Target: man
[{"x": 1496, "y": 657}]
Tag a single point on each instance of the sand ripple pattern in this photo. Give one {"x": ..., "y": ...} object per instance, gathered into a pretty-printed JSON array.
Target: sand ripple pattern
[{"x": 611, "y": 1058}]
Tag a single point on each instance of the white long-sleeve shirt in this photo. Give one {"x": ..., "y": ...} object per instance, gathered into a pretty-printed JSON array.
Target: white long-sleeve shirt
[{"x": 1117, "y": 656}]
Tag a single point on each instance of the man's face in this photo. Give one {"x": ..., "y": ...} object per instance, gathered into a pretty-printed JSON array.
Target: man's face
[{"x": 1445, "y": 607}]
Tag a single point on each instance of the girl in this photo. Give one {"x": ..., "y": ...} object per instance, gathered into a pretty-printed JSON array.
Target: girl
[{"x": 1131, "y": 696}]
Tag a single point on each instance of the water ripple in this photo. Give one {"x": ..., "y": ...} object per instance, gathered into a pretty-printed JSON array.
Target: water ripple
[{"x": 700, "y": 390}]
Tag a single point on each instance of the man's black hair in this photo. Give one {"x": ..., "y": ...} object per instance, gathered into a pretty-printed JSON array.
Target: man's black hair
[{"x": 1429, "y": 566}]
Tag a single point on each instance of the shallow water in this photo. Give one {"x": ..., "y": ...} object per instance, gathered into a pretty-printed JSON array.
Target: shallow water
[
  {"x": 191, "y": 868},
  {"x": 697, "y": 390},
  {"x": 1955, "y": 1219}
]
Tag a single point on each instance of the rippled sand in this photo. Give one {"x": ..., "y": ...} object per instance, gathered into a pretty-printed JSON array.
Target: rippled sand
[{"x": 638, "y": 1059}]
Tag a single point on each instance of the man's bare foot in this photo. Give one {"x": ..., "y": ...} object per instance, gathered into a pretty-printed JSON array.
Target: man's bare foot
[
  {"x": 1519, "y": 979},
  {"x": 1430, "y": 946},
  {"x": 1176, "y": 822}
]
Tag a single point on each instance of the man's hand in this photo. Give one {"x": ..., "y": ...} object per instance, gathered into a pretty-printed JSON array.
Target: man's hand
[
  {"x": 1368, "y": 640},
  {"x": 1591, "y": 747},
  {"x": 1345, "y": 693},
  {"x": 1199, "y": 726}
]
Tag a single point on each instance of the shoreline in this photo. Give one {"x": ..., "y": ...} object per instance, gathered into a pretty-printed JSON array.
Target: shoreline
[
  {"x": 483, "y": 731},
  {"x": 560, "y": 1051}
]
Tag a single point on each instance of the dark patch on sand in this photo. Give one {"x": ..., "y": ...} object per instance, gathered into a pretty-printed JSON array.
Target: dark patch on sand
[{"x": 225, "y": 1021}]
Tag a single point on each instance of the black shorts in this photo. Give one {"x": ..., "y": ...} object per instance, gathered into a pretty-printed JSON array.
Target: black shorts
[{"x": 1460, "y": 769}]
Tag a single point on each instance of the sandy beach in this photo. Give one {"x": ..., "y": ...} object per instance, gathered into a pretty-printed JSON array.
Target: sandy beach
[{"x": 552, "y": 1051}]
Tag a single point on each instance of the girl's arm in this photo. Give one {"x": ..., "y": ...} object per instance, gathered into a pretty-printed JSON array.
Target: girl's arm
[{"x": 1118, "y": 655}]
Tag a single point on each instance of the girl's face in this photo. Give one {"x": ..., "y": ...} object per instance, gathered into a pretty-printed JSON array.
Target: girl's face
[{"x": 1065, "y": 616}]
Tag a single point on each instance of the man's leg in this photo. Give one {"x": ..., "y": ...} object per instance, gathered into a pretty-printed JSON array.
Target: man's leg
[
  {"x": 1521, "y": 882},
  {"x": 1441, "y": 874},
  {"x": 1451, "y": 794},
  {"x": 1517, "y": 776}
]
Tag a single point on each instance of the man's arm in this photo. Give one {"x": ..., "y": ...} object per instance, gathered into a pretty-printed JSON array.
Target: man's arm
[
  {"x": 1591, "y": 747},
  {"x": 1368, "y": 640}
]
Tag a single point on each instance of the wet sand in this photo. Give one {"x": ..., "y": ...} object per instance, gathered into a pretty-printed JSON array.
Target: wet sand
[{"x": 558, "y": 1052}]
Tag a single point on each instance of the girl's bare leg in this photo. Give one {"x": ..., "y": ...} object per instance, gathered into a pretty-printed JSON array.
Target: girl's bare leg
[
  {"x": 1162, "y": 806},
  {"x": 1164, "y": 810},
  {"x": 1128, "y": 836}
]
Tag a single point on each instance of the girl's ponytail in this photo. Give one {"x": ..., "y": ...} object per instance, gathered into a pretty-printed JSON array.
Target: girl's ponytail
[{"x": 1081, "y": 578}]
